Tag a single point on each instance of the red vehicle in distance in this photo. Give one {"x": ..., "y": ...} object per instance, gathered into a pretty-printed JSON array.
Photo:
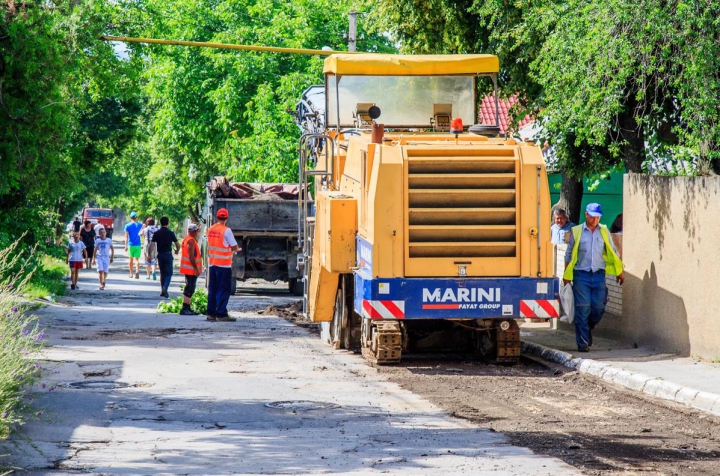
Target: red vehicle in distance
[{"x": 104, "y": 216}]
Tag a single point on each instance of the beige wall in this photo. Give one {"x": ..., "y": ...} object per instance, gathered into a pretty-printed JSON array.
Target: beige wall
[{"x": 672, "y": 262}]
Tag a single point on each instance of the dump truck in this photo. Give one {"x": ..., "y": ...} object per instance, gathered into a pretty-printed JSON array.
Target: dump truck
[
  {"x": 264, "y": 220},
  {"x": 431, "y": 233}
]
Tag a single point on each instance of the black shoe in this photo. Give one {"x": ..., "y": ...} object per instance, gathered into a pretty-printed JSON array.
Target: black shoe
[
  {"x": 187, "y": 312},
  {"x": 72, "y": 286},
  {"x": 211, "y": 318},
  {"x": 583, "y": 349},
  {"x": 164, "y": 294}
]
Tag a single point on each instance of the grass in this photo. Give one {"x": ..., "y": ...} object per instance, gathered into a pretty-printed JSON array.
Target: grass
[
  {"x": 48, "y": 281},
  {"x": 21, "y": 338}
]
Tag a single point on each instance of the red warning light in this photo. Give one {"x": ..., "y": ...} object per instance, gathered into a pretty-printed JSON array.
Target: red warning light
[{"x": 456, "y": 126}]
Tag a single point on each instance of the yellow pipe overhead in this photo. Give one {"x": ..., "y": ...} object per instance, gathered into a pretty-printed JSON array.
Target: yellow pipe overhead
[{"x": 225, "y": 46}]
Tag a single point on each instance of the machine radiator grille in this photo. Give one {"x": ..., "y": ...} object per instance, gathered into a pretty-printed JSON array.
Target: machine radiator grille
[{"x": 462, "y": 203}]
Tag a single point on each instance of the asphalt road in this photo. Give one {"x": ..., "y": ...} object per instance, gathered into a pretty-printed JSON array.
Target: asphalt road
[{"x": 138, "y": 392}]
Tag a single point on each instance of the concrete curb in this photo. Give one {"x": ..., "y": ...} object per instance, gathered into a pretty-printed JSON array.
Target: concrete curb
[{"x": 656, "y": 386}]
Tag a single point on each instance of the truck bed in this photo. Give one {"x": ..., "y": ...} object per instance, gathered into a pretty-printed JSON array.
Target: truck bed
[{"x": 257, "y": 217}]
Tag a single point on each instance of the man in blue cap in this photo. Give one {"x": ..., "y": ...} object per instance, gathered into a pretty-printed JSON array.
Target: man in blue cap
[
  {"x": 133, "y": 244},
  {"x": 590, "y": 255}
]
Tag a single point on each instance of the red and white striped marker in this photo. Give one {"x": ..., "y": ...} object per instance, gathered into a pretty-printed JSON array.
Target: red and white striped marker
[
  {"x": 540, "y": 308},
  {"x": 384, "y": 309}
]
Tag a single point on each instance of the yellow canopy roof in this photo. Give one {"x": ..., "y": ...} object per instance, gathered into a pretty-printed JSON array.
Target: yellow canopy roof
[{"x": 372, "y": 64}]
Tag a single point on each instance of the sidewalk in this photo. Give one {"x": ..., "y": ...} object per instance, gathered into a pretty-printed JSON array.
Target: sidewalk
[{"x": 680, "y": 379}]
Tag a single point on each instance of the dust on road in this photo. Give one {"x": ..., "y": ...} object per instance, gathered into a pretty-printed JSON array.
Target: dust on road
[
  {"x": 590, "y": 424},
  {"x": 554, "y": 411}
]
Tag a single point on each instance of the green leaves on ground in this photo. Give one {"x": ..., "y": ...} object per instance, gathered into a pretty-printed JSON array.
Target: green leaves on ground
[{"x": 198, "y": 303}]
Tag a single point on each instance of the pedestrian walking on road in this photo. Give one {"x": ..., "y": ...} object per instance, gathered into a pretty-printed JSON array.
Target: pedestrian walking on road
[
  {"x": 87, "y": 235},
  {"x": 162, "y": 241},
  {"x": 590, "y": 255},
  {"x": 76, "y": 255},
  {"x": 104, "y": 255},
  {"x": 76, "y": 225},
  {"x": 133, "y": 245},
  {"x": 147, "y": 232},
  {"x": 191, "y": 267},
  {"x": 221, "y": 246}
]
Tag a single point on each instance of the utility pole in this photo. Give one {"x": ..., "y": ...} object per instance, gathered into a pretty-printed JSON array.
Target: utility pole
[{"x": 352, "y": 33}]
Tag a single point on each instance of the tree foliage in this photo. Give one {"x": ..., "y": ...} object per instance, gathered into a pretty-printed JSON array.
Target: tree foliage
[
  {"x": 225, "y": 112},
  {"x": 53, "y": 72},
  {"x": 614, "y": 82}
]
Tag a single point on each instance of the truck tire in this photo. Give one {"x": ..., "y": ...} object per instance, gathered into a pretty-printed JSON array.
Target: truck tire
[{"x": 295, "y": 286}]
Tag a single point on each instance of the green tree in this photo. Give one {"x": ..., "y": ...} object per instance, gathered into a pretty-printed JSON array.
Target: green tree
[
  {"x": 53, "y": 67},
  {"x": 212, "y": 112}
]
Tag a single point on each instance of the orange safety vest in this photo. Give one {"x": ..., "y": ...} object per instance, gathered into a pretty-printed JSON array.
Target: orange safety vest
[
  {"x": 218, "y": 253},
  {"x": 186, "y": 266}
]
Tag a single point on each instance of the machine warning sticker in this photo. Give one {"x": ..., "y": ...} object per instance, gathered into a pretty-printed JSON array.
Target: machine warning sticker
[
  {"x": 507, "y": 310},
  {"x": 383, "y": 288},
  {"x": 542, "y": 288}
]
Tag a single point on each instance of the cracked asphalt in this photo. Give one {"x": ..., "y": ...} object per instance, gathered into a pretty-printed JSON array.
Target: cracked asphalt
[{"x": 138, "y": 392}]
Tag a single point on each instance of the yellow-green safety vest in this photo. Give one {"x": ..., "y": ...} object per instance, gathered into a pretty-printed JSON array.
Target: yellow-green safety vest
[{"x": 613, "y": 264}]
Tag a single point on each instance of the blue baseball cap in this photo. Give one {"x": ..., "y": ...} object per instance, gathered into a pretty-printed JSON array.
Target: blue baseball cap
[
  {"x": 134, "y": 215},
  {"x": 594, "y": 210}
]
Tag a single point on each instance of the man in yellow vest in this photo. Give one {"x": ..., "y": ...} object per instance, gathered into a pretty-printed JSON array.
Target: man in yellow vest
[
  {"x": 191, "y": 267},
  {"x": 221, "y": 246},
  {"x": 590, "y": 255}
]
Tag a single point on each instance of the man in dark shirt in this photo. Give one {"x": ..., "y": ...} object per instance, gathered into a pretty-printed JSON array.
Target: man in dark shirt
[
  {"x": 162, "y": 241},
  {"x": 76, "y": 225},
  {"x": 87, "y": 235}
]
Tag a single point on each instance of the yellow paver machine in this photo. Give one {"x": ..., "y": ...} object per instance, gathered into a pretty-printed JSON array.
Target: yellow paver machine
[{"x": 428, "y": 235}]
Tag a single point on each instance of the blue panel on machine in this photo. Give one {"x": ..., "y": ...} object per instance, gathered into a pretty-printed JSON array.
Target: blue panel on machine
[{"x": 447, "y": 298}]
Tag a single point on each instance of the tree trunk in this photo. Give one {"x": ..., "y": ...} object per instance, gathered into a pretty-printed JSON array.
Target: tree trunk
[
  {"x": 59, "y": 226},
  {"x": 631, "y": 133},
  {"x": 571, "y": 194}
]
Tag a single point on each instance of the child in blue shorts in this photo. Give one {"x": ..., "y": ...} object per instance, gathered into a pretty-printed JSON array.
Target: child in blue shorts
[{"x": 104, "y": 255}]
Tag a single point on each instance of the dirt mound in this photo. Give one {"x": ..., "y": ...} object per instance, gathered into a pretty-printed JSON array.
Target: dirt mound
[{"x": 291, "y": 312}]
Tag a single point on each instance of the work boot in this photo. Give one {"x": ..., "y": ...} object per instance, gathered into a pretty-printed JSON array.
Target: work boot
[
  {"x": 211, "y": 318},
  {"x": 186, "y": 311},
  {"x": 225, "y": 319}
]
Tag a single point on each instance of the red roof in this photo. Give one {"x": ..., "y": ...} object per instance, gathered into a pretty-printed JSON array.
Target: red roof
[{"x": 487, "y": 112}]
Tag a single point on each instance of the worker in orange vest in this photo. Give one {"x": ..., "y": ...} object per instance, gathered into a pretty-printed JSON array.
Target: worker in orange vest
[
  {"x": 191, "y": 267},
  {"x": 221, "y": 246}
]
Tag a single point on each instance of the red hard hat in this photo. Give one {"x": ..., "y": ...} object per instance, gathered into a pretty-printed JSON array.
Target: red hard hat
[{"x": 222, "y": 213}]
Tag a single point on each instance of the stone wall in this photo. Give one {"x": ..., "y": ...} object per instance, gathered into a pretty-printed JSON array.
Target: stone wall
[{"x": 672, "y": 264}]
